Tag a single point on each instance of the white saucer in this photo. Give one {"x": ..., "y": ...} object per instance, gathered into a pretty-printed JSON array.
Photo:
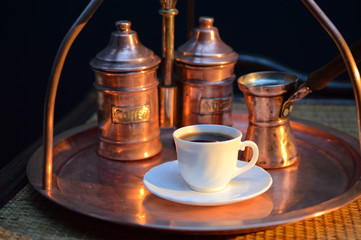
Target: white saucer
[{"x": 165, "y": 181}]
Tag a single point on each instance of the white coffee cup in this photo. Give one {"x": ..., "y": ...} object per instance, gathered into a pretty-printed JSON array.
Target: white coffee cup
[{"x": 209, "y": 166}]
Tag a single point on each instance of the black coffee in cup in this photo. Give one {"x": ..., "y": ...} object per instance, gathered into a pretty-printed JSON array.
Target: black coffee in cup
[{"x": 205, "y": 137}]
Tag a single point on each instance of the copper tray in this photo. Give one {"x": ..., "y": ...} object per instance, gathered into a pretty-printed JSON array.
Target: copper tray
[{"x": 327, "y": 177}]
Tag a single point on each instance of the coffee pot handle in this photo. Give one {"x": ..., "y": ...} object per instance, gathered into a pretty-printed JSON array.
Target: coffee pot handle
[{"x": 252, "y": 162}]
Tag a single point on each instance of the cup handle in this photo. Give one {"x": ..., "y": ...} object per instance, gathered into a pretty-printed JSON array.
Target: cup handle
[{"x": 254, "y": 158}]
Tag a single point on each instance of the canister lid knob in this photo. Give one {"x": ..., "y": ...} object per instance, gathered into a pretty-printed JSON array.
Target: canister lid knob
[
  {"x": 123, "y": 25},
  {"x": 206, "y": 22}
]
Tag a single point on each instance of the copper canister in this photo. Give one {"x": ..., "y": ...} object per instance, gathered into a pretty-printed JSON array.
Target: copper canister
[
  {"x": 127, "y": 97},
  {"x": 204, "y": 67}
]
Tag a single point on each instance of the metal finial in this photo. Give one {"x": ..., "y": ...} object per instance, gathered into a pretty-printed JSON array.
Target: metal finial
[
  {"x": 206, "y": 22},
  {"x": 123, "y": 25},
  {"x": 168, "y": 4}
]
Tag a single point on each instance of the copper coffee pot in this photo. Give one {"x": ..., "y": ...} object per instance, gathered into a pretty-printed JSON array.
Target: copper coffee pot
[
  {"x": 269, "y": 97},
  {"x": 264, "y": 93}
]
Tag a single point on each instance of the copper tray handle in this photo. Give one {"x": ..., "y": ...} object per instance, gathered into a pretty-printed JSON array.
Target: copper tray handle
[
  {"x": 52, "y": 88},
  {"x": 345, "y": 51},
  {"x": 314, "y": 82}
]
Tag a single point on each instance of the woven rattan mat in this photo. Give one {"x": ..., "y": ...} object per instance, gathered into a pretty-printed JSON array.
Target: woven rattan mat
[{"x": 29, "y": 215}]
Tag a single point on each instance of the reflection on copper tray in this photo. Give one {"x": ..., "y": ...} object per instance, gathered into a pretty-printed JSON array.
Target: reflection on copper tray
[{"x": 326, "y": 178}]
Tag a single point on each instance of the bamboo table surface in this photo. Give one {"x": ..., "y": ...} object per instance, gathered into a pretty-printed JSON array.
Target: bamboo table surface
[{"x": 29, "y": 215}]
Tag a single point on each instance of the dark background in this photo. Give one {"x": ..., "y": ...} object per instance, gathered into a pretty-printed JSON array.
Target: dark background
[{"x": 31, "y": 32}]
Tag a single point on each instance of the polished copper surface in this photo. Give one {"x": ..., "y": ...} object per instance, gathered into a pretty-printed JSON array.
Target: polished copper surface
[
  {"x": 127, "y": 97},
  {"x": 168, "y": 11},
  {"x": 124, "y": 52},
  {"x": 205, "y": 47},
  {"x": 326, "y": 178},
  {"x": 168, "y": 110},
  {"x": 269, "y": 127},
  {"x": 205, "y": 71},
  {"x": 168, "y": 89}
]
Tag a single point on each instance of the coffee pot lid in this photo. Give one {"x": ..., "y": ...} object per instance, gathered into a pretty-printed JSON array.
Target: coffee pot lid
[
  {"x": 124, "y": 52},
  {"x": 205, "y": 47}
]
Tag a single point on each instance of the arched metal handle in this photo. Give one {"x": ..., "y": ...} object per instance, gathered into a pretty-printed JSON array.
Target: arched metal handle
[
  {"x": 345, "y": 51},
  {"x": 48, "y": 131}
]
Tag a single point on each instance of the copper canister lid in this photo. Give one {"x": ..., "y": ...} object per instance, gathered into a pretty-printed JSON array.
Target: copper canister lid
[
  {"x": 124, "y": 52},
  {"x": 205, "y": 47}
]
